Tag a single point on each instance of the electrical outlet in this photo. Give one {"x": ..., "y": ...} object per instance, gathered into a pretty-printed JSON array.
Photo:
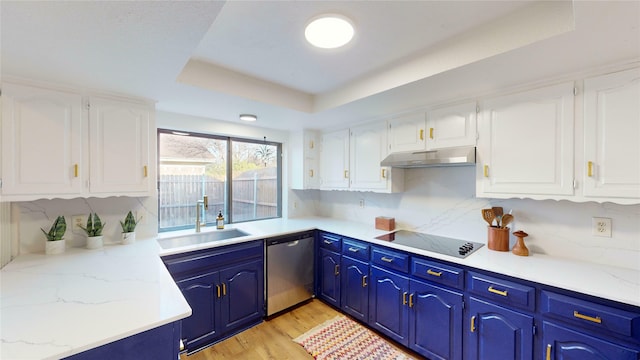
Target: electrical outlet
[
  {"x": 76, "y": 221},
  {"x": 361, "y": 203},
  {"x": 601, "y": 226}
]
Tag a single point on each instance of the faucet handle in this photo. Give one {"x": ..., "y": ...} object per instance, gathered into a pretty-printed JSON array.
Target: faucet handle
[{"x": 205, "y": 200}]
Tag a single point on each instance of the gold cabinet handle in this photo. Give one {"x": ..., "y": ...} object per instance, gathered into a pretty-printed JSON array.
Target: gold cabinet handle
[
  {"x": 498, "y": 292},
  {"x": 384, "y": 173},
  {"x": 431, "y": 272},
  {"x": 548, "y": 357},
  {"x": 311, "y": 144},
  {"x": 404, "y": 298},
  {"x": 385, "y": 259},
  {"x": 218, "y": 290},
  {"x": 346, "y": 174},
  {"x": 430, "y": 133},
  {"x": 421, "y": 134},
  {"x": 597, "y": 319},
  {"x": 473, "y": 323},
  {"x": 364, "y": 281},
  {"x": 311, "y": 173},
  {"x": 486, "y": 171},
  {"x": 411, "y": 300},
  {"x": 336, "y": 270},
  {"x": 590, "y": 168},
  {"x": 146, "y": 171},
  {"x": 75, "y": 170}
]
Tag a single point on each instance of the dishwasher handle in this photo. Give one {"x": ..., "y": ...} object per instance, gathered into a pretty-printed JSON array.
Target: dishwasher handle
[{"x": 294, "y": 239}]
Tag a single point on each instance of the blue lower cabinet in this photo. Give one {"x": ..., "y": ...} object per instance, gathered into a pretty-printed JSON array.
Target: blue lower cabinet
[
  {"x": 203, "y": 325},
  {"x": 435, "y": 321},
  {"x": 560, "y": 343},
  {"x": 161, "y": 343},
  {"x": 388, "y": 304},
  {"x": 496, "y": 332},
  {"x": 224, "y": 288},
  {"x": 329, "y": 279},
  {"x": 355, "y": 288},
  {"x": 242, "y": 299}
]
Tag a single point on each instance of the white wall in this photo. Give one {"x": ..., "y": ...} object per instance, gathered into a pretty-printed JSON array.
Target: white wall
[{"x": 442, "y": 201}]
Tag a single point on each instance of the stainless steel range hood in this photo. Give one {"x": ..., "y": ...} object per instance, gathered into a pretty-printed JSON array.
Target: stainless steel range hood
[{"x": 458, "y": 156}]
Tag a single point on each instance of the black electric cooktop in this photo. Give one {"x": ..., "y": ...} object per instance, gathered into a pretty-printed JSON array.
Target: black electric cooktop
[{"x": 438, "y": 244}]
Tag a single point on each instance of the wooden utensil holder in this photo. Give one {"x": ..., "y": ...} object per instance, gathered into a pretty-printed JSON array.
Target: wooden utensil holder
[{"x": 498, "y": 238}]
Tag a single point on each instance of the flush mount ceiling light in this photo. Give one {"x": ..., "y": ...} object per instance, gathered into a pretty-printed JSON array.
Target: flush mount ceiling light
[
  {"x": 329, "y": 31},
  {"x": 248, "y": 117}
]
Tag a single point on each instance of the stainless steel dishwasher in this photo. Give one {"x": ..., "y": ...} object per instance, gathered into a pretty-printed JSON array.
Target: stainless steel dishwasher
[{"x": 289, "y": 271}]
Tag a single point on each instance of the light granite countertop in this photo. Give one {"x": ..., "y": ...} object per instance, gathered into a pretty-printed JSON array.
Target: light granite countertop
[{"x": 56, "y": 306}]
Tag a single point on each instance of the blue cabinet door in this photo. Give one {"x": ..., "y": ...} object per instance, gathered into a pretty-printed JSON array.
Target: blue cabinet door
[
  {"x": 435, "y": 322},
  {"x": 242, "y": 295},
  {"x": 496, "y": 332},
  {"x": 203, "y": 325},
  {"x": 389, "y": 304},
  {"x": 563, "y": 344},
  {"x": 329, "y": 267},
  {"x": 355, "y": 288}
]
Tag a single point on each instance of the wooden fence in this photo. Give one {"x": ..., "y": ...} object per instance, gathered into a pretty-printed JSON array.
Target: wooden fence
[{"x": 254, "y": 198}]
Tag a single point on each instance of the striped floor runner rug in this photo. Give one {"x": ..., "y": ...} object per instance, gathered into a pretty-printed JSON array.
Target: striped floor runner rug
[{"x": 344, "y": 339}]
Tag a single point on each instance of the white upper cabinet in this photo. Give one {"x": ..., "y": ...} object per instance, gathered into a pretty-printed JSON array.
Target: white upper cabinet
[
  {"x": 612, "y": 137},
  {"x": 41, "y": 142},
  {"x": 368, "y": 146},
  {"x": 119, "y": 147},
  {"x": 439, "y": 128},
  {"x": 451, "y": 126},
  {"x": 53, "y": 147},
  {"x": 305, "y": 160},
  {"x": 334, "y": 160},
  {"x": 351, "y": 159},
  {"x": 407, "y": 133},
  {"x": 525, "y": 144}
]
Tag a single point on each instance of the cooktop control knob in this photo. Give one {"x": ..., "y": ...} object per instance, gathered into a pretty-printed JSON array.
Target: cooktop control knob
[{"x": 466, "y": 248}]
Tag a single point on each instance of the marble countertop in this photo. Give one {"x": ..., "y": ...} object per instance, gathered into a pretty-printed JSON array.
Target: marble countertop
[
  {"x": 60, "y": 305},
  {"x": 53, "y": 306},
  {"x": 608, "y": 282}
]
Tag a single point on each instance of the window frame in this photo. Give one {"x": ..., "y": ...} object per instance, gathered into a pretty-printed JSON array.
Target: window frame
[{"x": 228, "y": 205}]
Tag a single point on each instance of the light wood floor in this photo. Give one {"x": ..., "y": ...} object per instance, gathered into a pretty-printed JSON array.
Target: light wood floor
[{"x": 272, "y": 339}]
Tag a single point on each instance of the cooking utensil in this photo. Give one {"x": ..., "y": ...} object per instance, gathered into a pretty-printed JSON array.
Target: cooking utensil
[
  {"x": 497, "y": 212},
  {"x": 506, "y": 220},
  {"x": 487, "y": 215}
]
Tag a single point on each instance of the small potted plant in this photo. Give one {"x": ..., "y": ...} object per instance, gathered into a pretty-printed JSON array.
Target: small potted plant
[
  {"x": 128, "y": 228},
  {"x": 55, "y": 243},
  {"x": 94, "y": 231}
]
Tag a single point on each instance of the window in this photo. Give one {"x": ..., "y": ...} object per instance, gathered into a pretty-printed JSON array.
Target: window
[{"x": 241, "y": 178}]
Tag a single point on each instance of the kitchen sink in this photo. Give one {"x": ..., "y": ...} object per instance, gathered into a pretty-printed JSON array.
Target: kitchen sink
[{"x": 200, "y": 238}]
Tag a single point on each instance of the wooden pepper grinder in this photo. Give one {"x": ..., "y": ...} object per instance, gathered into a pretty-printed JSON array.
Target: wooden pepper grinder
[{"x": 520, "y": 249}]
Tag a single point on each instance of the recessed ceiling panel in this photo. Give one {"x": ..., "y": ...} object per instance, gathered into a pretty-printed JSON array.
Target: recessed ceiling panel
[{"x": 265, "y": 39}]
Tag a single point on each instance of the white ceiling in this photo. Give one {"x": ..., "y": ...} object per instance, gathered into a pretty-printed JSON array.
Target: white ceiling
[{"x": 216, "y": 60}]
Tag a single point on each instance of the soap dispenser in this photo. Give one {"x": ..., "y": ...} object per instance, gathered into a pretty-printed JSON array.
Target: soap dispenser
[{"x": 220, "y": 220}]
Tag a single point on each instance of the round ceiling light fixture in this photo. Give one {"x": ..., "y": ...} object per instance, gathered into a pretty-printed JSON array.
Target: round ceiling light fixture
[
  {"x": 329, "y": 31},
  {"x": 248, "y": 117}
]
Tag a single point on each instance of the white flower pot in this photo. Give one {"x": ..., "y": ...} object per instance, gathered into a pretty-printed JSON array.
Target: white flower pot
[
  {"x": 128, "y": 238},
  {"x": 94, "y": 242},
  {"x": 54, "y": 247}
]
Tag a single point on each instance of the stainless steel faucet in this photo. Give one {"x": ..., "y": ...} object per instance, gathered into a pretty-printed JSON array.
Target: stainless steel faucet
[{"x": 205, "y": 205}]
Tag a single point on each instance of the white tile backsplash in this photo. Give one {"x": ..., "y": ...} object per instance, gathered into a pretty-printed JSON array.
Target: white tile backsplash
[
  {"x": 41, "y": 214},
  {"x": 442, "y": 201}
]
